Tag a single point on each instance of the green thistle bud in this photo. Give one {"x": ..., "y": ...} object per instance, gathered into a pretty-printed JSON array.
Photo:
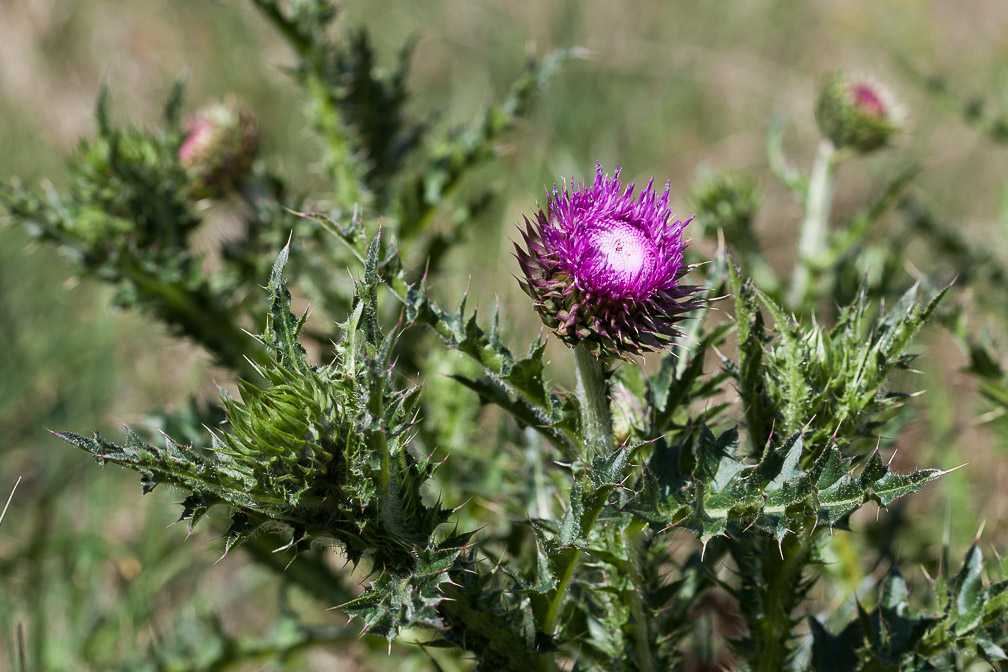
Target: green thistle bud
[
  {"x": 218, "y": 151},
  {"x": 857, "y": 112},
  {"x": 726, "y": 201}
]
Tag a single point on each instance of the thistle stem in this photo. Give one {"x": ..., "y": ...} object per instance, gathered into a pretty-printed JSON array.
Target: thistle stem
[
  {"x": 590, "y": 388},
  {"x": 540, "y": 501},
  {"x": 596, "y": 439},
  {"x": 815, "y": 227},
  {"x": 636, "y": 539},
  {"x": 570, "y": 561},
  {"x": 199, "y": 314},
  {"x": 780, "y": 591}
]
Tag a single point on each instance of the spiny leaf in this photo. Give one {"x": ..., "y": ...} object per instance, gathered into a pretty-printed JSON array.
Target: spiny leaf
[
  {"x": 678, "y": 381},
  {"x": 749, "y": 371},
  {"x": 395, "y": 601},
  {"x": 705, "y": 486},
  {"x": 970, "y": 601},
  {"x": 282, "y": 329},
  {"x": 319, "y": 451},
  {"x": 821, "y": 381},
  {"x": 517, "y": 384},
  {"x": 969, "y": 620},
  {"x": 367, "y": 290},
  {"x": 466, "y": 148}
]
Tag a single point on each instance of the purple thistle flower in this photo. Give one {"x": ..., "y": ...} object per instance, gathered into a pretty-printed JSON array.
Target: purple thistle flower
[{"x": 603, "y": 267}]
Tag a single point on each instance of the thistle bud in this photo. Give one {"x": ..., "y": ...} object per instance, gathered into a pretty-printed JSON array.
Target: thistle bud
[
  {"x": 726, "y": 201},
  {"x": 218, "y": 151},
  {"x": 603, "y": 268},
  {"x": 857, "y": 112}
]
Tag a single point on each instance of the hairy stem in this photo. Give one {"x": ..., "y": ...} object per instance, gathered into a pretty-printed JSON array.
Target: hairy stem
[
  {"x": 596, "y": 439},
  {"x": 569, "y": 563},
  {"x": 328, "y": 117},
  {"x": 198, "y": 314},
  {"x": 539, "y": 502},
  {"x": 813, "y": 241},
  {"x": 596, "y": 421},
  {"x": 636, "y": 538},
  {"x": 777, "y": 585},
  {"x": 495, "y": 642}
]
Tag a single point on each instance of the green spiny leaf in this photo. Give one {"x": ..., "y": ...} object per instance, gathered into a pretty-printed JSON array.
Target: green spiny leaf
[
  {"x": 282, "y": 329},
  {"x": 675, "y": 385},
  {"x": 464, "y": 149},
  {"x": 395, "y": 601},
  {"x": 708, "y": 487},
  {"x": 749, "y": 372},
  {"x": 821, "y": 381},
  {"x": 368, "y": 291},
  {"x": 967, "y": 625}
]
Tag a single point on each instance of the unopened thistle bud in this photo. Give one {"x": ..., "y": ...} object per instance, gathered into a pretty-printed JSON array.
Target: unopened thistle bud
[
  {"x": 604, "y": 267},
  {"x": 725, "y": 201},
  {"x": 218, "y": 151},
  {"x": 857, "y": 112}
]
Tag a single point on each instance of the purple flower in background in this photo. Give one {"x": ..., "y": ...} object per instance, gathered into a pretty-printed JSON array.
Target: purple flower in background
[{"x": 603, "y": 267}]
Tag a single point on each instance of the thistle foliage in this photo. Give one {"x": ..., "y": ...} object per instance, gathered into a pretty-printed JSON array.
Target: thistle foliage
[
  {"x": 319, "y": 450},
  {"x": 738, "y": 455}
]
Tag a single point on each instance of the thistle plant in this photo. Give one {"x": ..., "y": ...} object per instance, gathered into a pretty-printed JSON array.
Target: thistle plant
[
  {"x": 700, "y": 448},
  {"x": 604, "y": 271}
]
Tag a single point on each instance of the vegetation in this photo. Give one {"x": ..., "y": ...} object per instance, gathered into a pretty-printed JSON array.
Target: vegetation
[{"x": 705, "y": 456}]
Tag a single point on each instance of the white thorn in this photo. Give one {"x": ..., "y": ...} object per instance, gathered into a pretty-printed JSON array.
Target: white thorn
[{"x": 4, "y": 512}]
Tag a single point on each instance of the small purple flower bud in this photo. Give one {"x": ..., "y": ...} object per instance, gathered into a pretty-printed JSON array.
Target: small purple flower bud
[
  {"x": 218, "y": 151},
  {"x": 857, "y": 112},
  {"x": 603, "y": 267}
]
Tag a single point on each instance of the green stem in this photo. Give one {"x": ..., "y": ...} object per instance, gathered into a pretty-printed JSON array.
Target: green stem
[
  {"x": 636, "y": 539},
  {"x": 198, "y": 314},
  {"x": 813, "y": 241},
  {"x": 328, "y": 116},
  {"x": 596, "y": 421},
  {"x": 569, "y": 563},
  {"x": 486, "y": 632},
  {"x": 596, "y": 439},
  {"x": 539, "y": 503},
  {"x": 307, "y": 570},
  {"x": 780, "y": 592},
  {"x": 331, "y": 124}
]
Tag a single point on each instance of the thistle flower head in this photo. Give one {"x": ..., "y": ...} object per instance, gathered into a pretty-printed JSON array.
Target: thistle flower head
[
  {"x": 857, "y": 112},
  {"x": 603, "y": 267},
  {"x": 218, "y": 151}
]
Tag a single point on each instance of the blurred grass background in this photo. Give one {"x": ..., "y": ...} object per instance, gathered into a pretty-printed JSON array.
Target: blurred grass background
[{"x": 90, "y": 570}]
